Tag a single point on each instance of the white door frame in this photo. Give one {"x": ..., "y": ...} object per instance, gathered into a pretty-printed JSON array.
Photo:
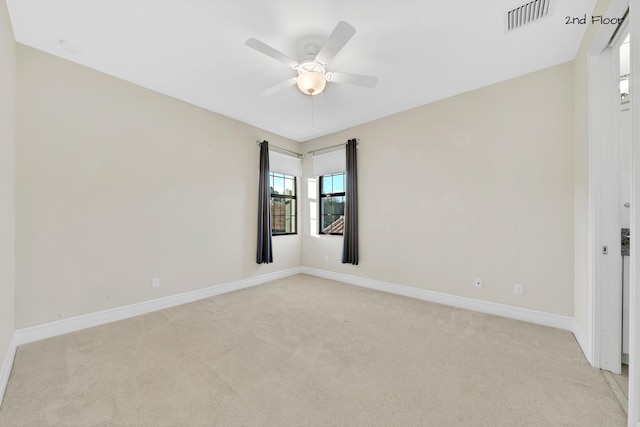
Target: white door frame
[
  {"x": 603, "y": 219},
  {"x": 634, "y": 283},
  {"x": 605, "y": 275}
]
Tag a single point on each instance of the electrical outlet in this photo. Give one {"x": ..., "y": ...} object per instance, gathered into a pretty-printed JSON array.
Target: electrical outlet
[
  {"x": 518, "y": 289},
  {"x": 326, "y": 259},
  {"x": 155, "y": 283},
  {"x": 477, "y": 282}
]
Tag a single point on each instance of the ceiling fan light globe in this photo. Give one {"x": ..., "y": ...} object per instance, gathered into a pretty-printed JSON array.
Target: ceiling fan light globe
[{"x": 311, "y": 82}]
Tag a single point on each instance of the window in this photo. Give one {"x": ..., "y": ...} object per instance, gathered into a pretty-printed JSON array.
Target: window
[
  {"x": 283, "y": 203},
  {"x": 332, "y": 203}
]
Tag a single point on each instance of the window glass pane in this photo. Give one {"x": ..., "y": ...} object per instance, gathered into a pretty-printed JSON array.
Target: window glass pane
[
  {"x": 289, "y": 186},
  {"x": 327, "y": 186},
  {"x": 338, "y": 183},
  {"x": 278, "y": 184},
  {"x": 335, "y": 205},
  {"x": 326, "y": 205},
  {"x": 326, "y": 221},
  {"x": 283, "y": 203},
  {"x": 278, "y": 216},
  {"x": 332, "y": 204},
  {"x": 332, "y": 224},
  {"x": 290, "y": 216}
]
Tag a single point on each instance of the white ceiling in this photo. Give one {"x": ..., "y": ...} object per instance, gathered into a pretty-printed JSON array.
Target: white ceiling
[{"x": 193, "y": 50}]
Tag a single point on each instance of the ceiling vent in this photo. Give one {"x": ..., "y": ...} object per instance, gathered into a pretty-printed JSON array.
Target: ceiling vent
[{"x": 527, "y": 13}]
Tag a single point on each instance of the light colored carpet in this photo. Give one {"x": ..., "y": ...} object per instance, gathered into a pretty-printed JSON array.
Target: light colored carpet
[
  {"x": 623, "y": 380},
  {"x": 304, "y": 351}
]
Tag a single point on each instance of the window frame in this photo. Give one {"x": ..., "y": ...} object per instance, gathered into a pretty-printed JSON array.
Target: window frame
[
  {"x": 322, "y": 195},
  {"x": 294, "y": 197}
]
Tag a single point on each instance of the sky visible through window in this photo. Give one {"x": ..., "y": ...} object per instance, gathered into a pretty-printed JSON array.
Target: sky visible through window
[
  {"x": 282, "y": 184},
  {"x": 333, "y": 183}
]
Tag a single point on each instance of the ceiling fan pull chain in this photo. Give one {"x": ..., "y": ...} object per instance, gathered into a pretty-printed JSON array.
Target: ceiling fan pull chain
[{"x": 312, "y": 114}]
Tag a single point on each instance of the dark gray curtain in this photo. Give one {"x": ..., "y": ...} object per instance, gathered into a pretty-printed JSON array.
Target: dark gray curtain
[
  {"x": 264, "y": 254},
  {"x": 350, "y": 238}
]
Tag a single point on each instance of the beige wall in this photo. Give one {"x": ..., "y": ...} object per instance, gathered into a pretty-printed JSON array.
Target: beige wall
[
  {"x": 7, "y": 147},
  {"x": 582, "y": 297},
  {"x": 477, "y": 185},
  {"x": 117, "y": 185}
]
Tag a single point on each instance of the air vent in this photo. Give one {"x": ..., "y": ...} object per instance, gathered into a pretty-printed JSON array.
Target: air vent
[{"x": 527, "y": 13}]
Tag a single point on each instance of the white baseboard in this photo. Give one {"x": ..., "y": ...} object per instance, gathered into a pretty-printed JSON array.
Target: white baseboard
[
  {"x": 583, "y": 342},
  {"x": 65, "y": 326},
  {"x": 7, "y": 364},
  {"x": 502, "y": 310}
]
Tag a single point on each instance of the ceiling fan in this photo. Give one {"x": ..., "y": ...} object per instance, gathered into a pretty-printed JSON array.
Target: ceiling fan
[{"x": 313, "y": 74}]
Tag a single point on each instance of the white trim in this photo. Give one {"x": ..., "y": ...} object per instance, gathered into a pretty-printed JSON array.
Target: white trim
[
  {"x": 502, "y": 310},
  {"x": 634, "y": 282},
  {"x": 604, "y": 218},
  {"x": 583, "y": 341},
  {"x": 65, "y": 326},
  {"x": 7, "y": 364},
  {"x": 602, "y": 318}
]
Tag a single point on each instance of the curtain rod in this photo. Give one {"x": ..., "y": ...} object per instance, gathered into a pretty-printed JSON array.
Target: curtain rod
[
  {"x": 282, "y": 149},
  {"x": 332, "y": 146}
]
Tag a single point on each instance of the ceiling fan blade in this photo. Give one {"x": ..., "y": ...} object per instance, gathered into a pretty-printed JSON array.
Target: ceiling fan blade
[
  {"x": 352, "y": 79},
  {"x": 273, "y": 89},
  {"x": 338, "y": 38},
  {"x": 269, "y": 51}
]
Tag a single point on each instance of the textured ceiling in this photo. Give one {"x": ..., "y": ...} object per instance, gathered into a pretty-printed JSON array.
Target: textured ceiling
[{"x": 193, "y": 50}]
